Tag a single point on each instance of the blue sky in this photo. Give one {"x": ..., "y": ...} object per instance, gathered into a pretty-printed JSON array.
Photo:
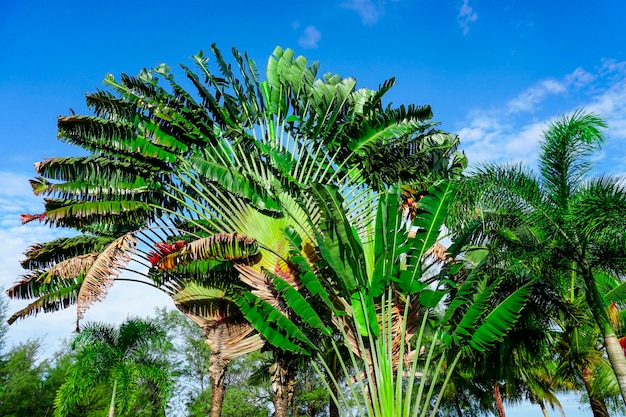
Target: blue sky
[{"x": 494, "y": 72}]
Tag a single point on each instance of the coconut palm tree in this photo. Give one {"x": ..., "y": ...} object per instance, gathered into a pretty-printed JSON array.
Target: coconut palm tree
[
  {"x": 569, "y": 221},
  {"x": 123, "y": 357}
]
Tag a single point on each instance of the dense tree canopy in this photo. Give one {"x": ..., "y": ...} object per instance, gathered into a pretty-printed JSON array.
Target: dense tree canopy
[
  {"x": 560, "y": 225},
  {"x": 298, "y": 212}
]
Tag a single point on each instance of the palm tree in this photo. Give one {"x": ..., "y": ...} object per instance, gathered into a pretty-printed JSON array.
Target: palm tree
[
  {"x": 225, "y": 161},
  {"x": 262, "y": 160},
  {"x": 581, "y": 358},
  {"x": 582, "y": 361},
  {"x": 520, "y": 367},
  {"x": 567, "y": 225},
  {"x": 123, "y": 357},
  {"x": 200, "y": 289}
]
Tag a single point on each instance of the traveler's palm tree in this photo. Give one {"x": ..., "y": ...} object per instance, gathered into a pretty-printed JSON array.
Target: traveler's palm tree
[
  {"x": 294, "y": 166},
  {"x": 123, "y": 357},
  {"x": 221, "y": 161},
  {"x": 571, "y": 221}
]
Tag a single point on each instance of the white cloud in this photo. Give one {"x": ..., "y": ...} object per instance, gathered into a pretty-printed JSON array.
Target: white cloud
[
  {"x": 466, "y": 16},
  {"x": 530, "y": 99},
  {"x": 310, "y": 38},
  {"x": 370, "y": 11},
  {"x": 506, "y": 133},
  {"x": 493, "y": 138},
  {"x": 579, "y": 78}
]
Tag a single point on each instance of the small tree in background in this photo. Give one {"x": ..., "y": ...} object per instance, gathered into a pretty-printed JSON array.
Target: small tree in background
[{"x": 121, "y": 357}]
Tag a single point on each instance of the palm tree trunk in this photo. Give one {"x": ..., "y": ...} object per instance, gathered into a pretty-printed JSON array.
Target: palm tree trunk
[
  {"x": 283, "y": 383},
  {"x": 217, "y": 369},
  {"x": 335, "y": 368},
  {"x": 618, "y": 360},
  {"x": 498, "y": 398},
  {"x": 112, "y": 406},
  {"x": 598, "y": 406},
  {"x": 333, "y": 410},
  {"x": 613, "y": 348}
]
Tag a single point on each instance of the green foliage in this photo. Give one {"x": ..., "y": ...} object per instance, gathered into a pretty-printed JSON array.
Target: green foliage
[
  {"x": 297, "y": 164},
  {"x": 189, "y": 355},
  {"x": 25, "y": 388},
  {"x": 121, "y": 358},
  {"x": 564, "y": 227}
]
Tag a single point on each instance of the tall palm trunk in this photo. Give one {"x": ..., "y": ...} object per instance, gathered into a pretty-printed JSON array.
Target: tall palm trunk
[
  {"x": 283, "y": 378},
  {"x": 611, "y": 343},
  {"x": 217, "y": 370},
  {"x": 333, "y": 410},
  {"x": 617, "y": 359},
  {"x": 335, "y": 369},
  {"x": 498, "y": 398},
  {"x": 598, "y": 406},
  {"x": 112, "y": 406},
  {"x": 544, "y": 410}
]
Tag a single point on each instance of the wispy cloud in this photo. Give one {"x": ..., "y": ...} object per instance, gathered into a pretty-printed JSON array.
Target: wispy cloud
[
  {"x": 310, "y": 38},
  {"x": 370, "y": 11},
  {"x": 507, "y": 133},
  {"x": 466, "y": 16},
  {"x": 528, "y": 100}
]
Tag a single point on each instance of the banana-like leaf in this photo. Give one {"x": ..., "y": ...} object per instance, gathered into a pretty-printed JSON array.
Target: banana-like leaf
[
  {"x": 306, "y": 274},
  {"x": 105, "y": 269},
  {"x": 478, "y": 308},
  {"x": 498, "y": 322},
  {"x": 116, "y": 138},
  {"x": 299, "y": 304},
  {"x": 372, "y": 136},
  {"x": 391, "y": 243},
  {"x": 78, "y": 214},
  {"x": 207, "y": 302},
  {"x": 432, "y": 212},
  {"x": 136, "y": 190},
  {"x": 218, "y": 247},
  {"x": 464, "y": 293},
  {"x": 37, "y": 283},
  {"x": 339, "y": 244},
  {"x": 273, "y": 325},
  {"x": 55, "y": 300},
  {"x": 44, "y": 255},
  {"x": 364, "y": 313}
]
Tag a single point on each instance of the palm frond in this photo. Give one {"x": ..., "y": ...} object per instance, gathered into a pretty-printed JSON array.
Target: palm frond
[
  {"x": 564, "y": 160},
  {"x": 105, "y": 269}
]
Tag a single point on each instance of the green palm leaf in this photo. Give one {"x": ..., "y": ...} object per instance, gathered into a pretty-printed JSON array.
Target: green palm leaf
[
  {"x": 61, "y": 297},
  {"x": 432, "y": 213},
  {"x": 273, "y": 325},
  {"x": 498, "y": 322},
  {"x": 298, "y": 304}
]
